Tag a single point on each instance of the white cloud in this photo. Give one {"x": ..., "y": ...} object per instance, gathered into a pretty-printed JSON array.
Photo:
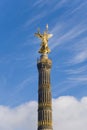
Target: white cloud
[
  {"x": 79, "y": 51},
  {"x": 36, "y": 18},
  {"x": 64, "y": 38},
  {"x": 60, "y": 4},
  {"x": 41, "y": 3},
  {"x": 68, "y": 114},
  {"x": 79, "y": 79},
  {"x": 78, "y": 8},
  {"x": 79, "y": 70},
  {"x": 20, "y": 118},
  {"x": 80, "y": 57}
]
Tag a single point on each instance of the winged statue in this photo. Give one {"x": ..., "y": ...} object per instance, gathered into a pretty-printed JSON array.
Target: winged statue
[{"x": 44, "y": 38}]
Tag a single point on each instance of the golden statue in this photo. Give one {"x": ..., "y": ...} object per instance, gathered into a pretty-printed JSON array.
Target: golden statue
[{"x": 44, "y": 38}]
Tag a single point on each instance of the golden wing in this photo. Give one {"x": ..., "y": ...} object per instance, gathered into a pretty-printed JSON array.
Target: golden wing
[
  {"x": 38, "y": 35},
  {"x": 50, "y": 35}
]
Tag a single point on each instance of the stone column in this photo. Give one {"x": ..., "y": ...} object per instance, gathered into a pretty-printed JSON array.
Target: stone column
[{"x": 44, "y": 93}]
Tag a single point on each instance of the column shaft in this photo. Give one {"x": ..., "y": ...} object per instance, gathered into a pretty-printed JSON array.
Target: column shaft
[{"x": 44, "y": 95}]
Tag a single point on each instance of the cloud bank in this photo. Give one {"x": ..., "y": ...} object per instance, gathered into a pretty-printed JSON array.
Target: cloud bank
[{"x": 68, "y": 114}]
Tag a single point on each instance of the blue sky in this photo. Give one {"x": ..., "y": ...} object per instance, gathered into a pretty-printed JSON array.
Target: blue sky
[{"x": 19, "y": 21}]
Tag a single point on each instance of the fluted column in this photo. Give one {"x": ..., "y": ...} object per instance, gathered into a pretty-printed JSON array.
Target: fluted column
[{"x": 44, "y": 94}]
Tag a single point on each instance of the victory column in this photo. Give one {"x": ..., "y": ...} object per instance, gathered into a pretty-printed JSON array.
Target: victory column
[{"x": 44, "y": 87}]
